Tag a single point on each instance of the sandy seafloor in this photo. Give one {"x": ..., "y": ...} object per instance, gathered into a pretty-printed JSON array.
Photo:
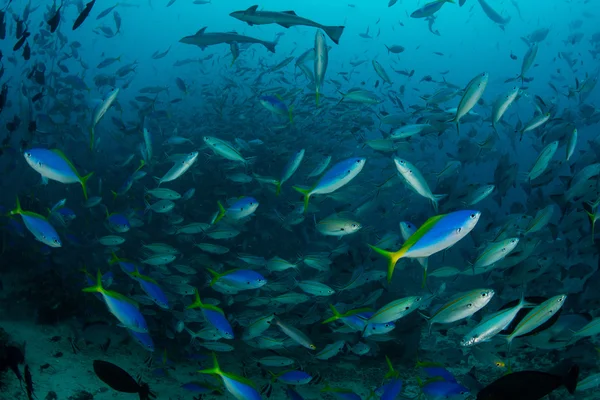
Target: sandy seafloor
[{"x": 71, "y": 373}]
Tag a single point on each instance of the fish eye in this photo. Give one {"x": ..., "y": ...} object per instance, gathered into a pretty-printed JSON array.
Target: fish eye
[
  {"x": 472, "y": 215},
  {"x": 458, "y": 230},
  {"x": 483, "y": 294},
  {"x": 28, "y": 155},
  {"x": 358, "y": 161},
  {"x": 469, "y": 305},
  {"x": 498, "y": 364}
]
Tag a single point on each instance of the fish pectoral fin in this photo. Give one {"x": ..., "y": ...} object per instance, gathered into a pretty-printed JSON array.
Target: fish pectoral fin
[{"x": 284, "y": 25}]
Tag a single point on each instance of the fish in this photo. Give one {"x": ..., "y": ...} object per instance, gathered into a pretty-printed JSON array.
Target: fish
[
  {"x": 83, "y": 14},
  {"x": 54, "y": 20},
  {"x": 39, "y": 226},
  {"x": 493, "y": 14},
  {"x": 416, "y": 181},
  {"x": 429, "y": 9},
  {"x": 471, "y": 96},
  {"x": 239, "y": 387},
  {"x": 178, "y": 169},
  {"x": 285, "y": 19},
  {"x": 336, "y": 177},
  {"x": 529, "y": 385},
  {"x": 99, "y": 112},
  {"x": 320, "y": 63},
  {"x": 203, "y": 39},
  {"x": 123, "y": 308},
  {"x": 436, "y": 234},
  {"x": 54, "y": 165},
  {"x": 118, "y": 379}
]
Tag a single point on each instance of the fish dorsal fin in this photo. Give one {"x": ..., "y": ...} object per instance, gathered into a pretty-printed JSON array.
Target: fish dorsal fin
[
  {"x": 201, "y": 31},
  {"x": 426, "y": 227},
  {"x": 251, "y": 10},
  {"x": 62, "y": 155},
  {"x": 289, "y": 12}
]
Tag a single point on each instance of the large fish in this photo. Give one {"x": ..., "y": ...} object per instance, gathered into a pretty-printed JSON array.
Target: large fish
[
  {"x": 203, "y": 39},
  {"x": 436, "y": 234},
  {"x": 286, "y": 19}
]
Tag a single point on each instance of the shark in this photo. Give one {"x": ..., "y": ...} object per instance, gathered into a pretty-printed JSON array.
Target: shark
[
  {"x": 203, "y": 39},
  {"x": 286, "y": 19}
]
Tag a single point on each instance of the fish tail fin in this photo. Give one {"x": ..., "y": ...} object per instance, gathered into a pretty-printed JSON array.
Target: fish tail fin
[
  {"x": 392, "y": 258},
  {"x": 270, "y": 46},
  {"x": 277, "y": 188},
  {"x": 197, "y": 302},
  {"x": 335, "y": 317},
  {"x": 114, "y": 259},
  {"x": 392, "y": 373},
  {"x": 334, "y": 33},
  {"x": 222, "y": 212},
  {"x": 306, "y": 193},
  {"x": 83, "y": 181},
  {"x": 18, "y": 209},
  {"x": 215, "y": 370},
  {"x": 215, "y": 275},
  {"x": 436, "y": 199},
  {"x": 97, "y": 288},
  {"x": 458, "y": 128},
  {"x": 342, "y": 99},
  {"x": 570, "y": 381}
]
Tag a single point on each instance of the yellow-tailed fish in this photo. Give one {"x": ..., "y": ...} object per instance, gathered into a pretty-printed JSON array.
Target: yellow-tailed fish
[{"x": 436, "y": 234}]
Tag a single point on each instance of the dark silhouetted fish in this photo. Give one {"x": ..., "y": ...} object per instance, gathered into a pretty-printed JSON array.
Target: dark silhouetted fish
[
  {"x": 528, "y": 385},
  {"x": 118, "y": 379},
  {"x": 84, "y": 14}
]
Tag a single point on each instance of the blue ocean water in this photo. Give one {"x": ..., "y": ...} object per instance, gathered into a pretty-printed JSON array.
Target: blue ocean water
[{"x": 303, "y": 199}]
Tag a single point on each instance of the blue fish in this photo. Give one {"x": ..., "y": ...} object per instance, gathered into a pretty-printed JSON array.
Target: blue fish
[
  {"x": 143, "y": 339},
  {"x": 292, "y": 394},
  {"x": 151, "y": 288},
  {"x": 277, "y": 106},
  {"x": 337, "y": 176},
  {"x": 242, "y": 208},
  {"x": 38, "y": 226},
  {"x": 214, "y": 315},
  {"x": 355, "y": 319},
  {"x": 440, "y": 389},
  {"x": 200, "y": 387},
  {"x": 123, "y": 308},
  {"x": 293, "y": 377},
  {"x": 117, "y": 222},
  {"x": 241, "y": 279},
  {"x": 54, "y": 165},
  {"x": 126, "y": 266},
  {"x": 240, "y": 387}
]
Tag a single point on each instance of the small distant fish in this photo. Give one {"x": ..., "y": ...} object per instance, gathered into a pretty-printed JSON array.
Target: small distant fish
[{"x": 84, "y": 14}]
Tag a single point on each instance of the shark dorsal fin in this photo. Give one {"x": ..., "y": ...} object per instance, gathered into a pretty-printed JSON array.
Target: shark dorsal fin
[
  {"x": 251, "y": 10},
  {"x": 201, "y": 31},
  {"x": 289, "y": 12}
]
